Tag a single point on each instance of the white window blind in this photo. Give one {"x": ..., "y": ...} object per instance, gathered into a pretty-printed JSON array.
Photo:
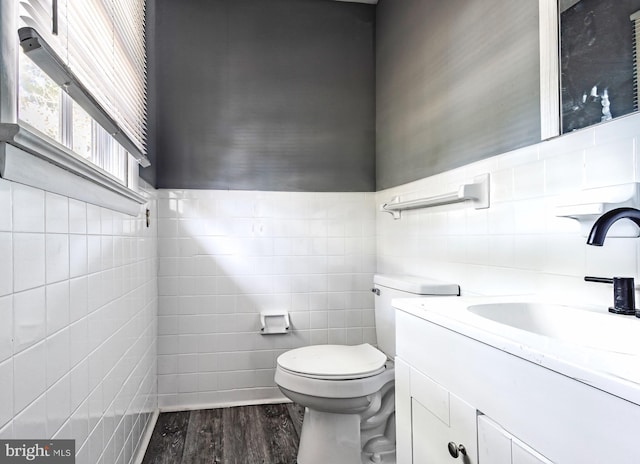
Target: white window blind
[{"x": 102, "y": 43}]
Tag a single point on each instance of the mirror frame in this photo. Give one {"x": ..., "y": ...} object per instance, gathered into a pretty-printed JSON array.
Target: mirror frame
[{"x": 549, "y": 69}]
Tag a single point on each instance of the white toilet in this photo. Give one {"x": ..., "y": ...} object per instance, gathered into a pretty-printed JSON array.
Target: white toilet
[{"x": 348, "y": 391}]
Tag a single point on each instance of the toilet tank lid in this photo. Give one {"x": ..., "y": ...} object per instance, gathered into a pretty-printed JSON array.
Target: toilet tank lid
[{"x": 415, "y": 284}]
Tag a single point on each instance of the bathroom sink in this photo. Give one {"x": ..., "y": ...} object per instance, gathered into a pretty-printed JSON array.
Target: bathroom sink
[
  {"x": 580, "y": 341},
  {"x": 568, "y": 324}
]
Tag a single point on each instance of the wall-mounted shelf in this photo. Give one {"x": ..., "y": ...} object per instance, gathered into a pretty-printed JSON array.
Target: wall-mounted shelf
[
  {"x": 476, "y": 193},
  {"x": 589, "y": 204}
]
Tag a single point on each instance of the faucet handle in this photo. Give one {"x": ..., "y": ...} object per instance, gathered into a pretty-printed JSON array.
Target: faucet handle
[{"x": 624, "y": 294}]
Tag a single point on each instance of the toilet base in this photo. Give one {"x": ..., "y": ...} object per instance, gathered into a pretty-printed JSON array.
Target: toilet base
[
  {"x": 347, "y": 421},
  {"x": 329, "y": 438}
]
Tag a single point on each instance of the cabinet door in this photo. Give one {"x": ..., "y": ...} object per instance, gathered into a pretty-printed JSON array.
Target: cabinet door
[
  {"x": 403, "y": 413},
  {"x": 497, "y": 446},
  {"x": 432, "y": 435},
  {"x": 494, "y": 444},
  {"x": 522, "y": 454}
]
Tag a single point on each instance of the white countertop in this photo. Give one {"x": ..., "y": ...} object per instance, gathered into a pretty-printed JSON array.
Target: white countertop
[{"x": 614, "y": 372}]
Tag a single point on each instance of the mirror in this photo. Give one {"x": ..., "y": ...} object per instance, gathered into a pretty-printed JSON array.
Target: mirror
[{"x": 598, "y": 60}]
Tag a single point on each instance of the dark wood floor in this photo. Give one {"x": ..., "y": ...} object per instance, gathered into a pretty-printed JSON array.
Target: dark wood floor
[{"x": 265, "y": 434}]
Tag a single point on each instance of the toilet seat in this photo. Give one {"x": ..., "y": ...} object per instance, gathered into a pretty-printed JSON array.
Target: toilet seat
[
  {"x": 334, "y": 362},
  {"x": 332, "y": 388}
]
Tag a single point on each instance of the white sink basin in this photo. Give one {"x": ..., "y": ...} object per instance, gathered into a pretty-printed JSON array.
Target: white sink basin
[
  {"x": 574, "y": 325},
  {"x": 581, "y": 342}
]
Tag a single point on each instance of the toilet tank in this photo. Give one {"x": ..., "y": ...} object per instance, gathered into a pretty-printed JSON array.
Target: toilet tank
[{"x": 389, "y": 287}]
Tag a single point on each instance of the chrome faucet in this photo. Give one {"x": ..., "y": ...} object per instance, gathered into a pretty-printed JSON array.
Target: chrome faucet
[
  {"x": 604, "y": 222},
  {"x": 623, "y": 287}
]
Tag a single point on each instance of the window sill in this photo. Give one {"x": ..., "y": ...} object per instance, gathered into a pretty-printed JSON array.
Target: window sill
[{"x": 31, "y": 158}]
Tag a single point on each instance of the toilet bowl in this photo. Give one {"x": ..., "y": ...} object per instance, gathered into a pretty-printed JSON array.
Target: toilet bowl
[
  {"x": 341, "y": 387},
  {"x": 348, "y": 391}
]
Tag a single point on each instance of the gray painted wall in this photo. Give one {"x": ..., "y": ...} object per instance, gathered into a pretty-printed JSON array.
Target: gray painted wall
[
  {"x": 263, "y": 95},
  {"x": 456, "y": 81}
]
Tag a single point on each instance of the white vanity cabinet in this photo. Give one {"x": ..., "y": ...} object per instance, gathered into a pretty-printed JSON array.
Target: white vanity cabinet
[
  {"x": 436, "y": 426},
  {"x": 497, "y": 446},
  {"x": 503, "y": 409},
  {"x": 439, "y": 421}
]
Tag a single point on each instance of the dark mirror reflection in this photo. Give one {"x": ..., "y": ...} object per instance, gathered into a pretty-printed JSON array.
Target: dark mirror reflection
[{"x": 597, "y": 60}]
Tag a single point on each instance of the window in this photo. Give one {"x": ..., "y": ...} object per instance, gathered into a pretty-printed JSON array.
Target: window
[
  {"x": 82, "y": 127},
  {"x": 95, "y": 50},
  {"x": 43, "y": 105},
  {"x": 39, "y": 102}
]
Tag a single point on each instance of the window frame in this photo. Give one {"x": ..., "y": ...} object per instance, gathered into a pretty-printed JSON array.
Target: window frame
[{"x": 30, "y": 157}]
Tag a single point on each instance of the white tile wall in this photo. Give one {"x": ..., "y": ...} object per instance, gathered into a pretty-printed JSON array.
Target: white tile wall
[
  {"x": 79, "y": 299},
  {"x": 78, "y": 312},
  {"x": 225, "y": 256},
  {"x": 518, "y": 245}
]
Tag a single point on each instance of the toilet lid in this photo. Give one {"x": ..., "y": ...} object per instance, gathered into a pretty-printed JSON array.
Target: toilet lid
[{"x": 334, "y": 361}]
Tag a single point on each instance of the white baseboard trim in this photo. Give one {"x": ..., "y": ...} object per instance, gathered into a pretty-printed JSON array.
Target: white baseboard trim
[
  {"x": 228, "y": 404},
  {"x": 146, "y": 438}
]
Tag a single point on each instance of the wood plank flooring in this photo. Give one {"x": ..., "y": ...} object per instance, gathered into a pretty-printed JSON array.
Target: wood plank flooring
[{"x": 265, "y": 434}]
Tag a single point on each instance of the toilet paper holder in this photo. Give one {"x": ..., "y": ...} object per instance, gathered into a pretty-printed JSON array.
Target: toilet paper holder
[{"x": 274, "y": 322}]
